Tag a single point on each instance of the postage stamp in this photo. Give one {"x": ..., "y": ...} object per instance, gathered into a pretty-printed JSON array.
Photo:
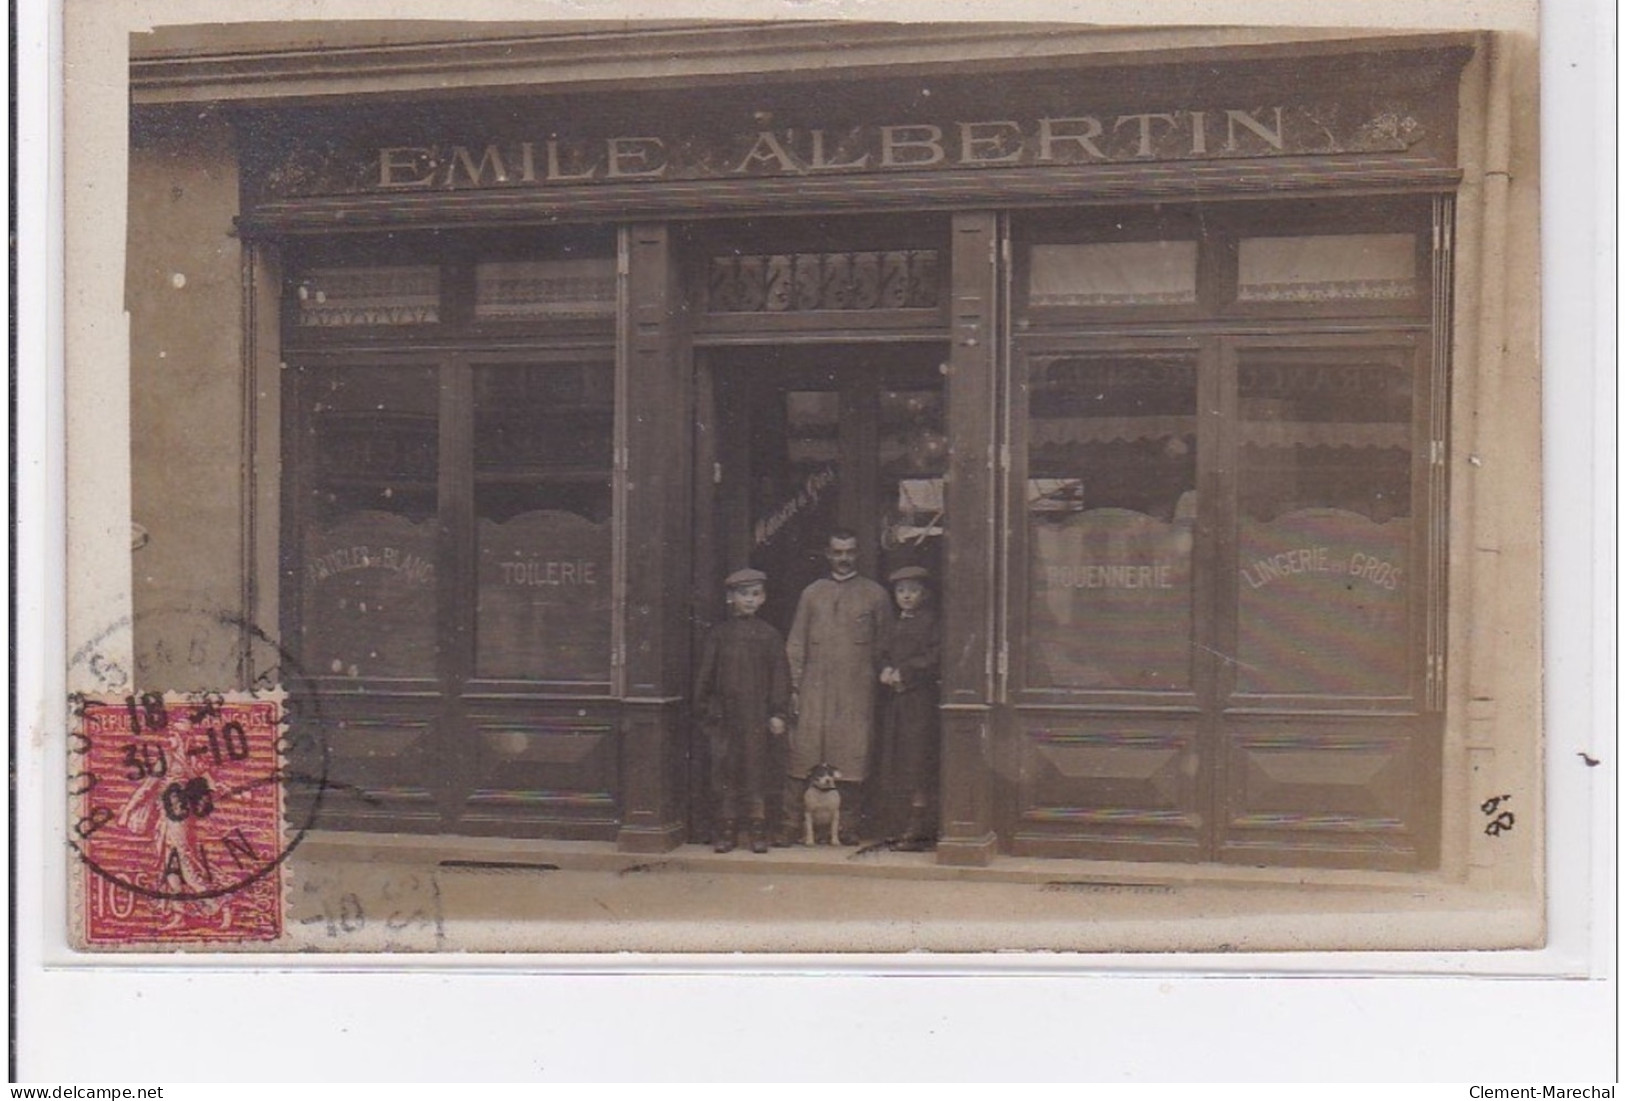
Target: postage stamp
[{"x": 178, "y": 819}]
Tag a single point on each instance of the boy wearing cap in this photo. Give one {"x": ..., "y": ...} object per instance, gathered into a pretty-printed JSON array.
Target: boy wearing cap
[
  {"x": 742, "y": 695},
  {"x": 910, "y": 662}
]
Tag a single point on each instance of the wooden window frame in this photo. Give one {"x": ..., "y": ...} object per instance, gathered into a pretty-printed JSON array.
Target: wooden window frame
[
  {"x": 456, "y": 254},
  {"x": 1018, "y": 576},
  {"x": 453, "y": 346},
  {"x": 1413, "y": 345},
  {"x": 1213, "y": 331},
  {"x": 1218, "y": 229}
]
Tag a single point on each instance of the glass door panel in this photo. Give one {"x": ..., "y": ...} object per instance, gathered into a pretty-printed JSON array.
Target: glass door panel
[
  {"x": 1110, "y": 514},
  {"x": 788, "y": 446},
  {"x": 1325, "y": 528},
  {"x": 913, "y": 460},
  {"x": 369, "y": 555},
  {"x": 543, "y": 439},
  {"x": 832, "y": 439}
]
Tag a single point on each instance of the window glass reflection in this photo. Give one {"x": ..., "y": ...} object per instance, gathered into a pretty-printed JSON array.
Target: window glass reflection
[
  {"x": 1324, "y": 470},
  {"x": 368, "y": 587},
  {"x": 1111, "y": 511},
  {"x": 543, "y": 439}
]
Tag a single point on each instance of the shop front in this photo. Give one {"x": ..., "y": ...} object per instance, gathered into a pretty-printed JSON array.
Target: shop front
[{"x": 1148, "y": 361}]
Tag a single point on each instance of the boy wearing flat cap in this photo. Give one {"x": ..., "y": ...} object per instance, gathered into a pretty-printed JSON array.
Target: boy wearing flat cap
[
  {"x": 742, "y": 696},
  {"x": 910, "y": 661}
]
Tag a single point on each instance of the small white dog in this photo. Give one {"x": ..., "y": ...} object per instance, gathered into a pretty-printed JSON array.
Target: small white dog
[{"x": 822, "y": 805}]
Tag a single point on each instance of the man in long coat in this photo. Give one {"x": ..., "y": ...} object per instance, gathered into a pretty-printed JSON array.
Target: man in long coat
[{"x": 841, "y": 624}]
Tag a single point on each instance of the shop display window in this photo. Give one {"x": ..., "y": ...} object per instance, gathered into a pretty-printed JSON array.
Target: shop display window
[
  {"x": 454, "y": 501},
  {"x": 1324, "y": 523},
  {"x": 529, "y": 290},
  {"x": 1137, "y": 273},
  {"x": 1110, "y": 512},
  {"x": 543, "y": 436},
  {"x": 1362, "y": 266},
  {"x": 1247, "y": 520},
  {"x": 369, "y": 579},
  {"x": 367, "y": 296}
]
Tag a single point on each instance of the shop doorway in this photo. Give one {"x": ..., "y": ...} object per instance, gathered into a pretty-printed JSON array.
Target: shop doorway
[
  {"x": 793, "y": 443},
  {"x": 799, "y": 442}
]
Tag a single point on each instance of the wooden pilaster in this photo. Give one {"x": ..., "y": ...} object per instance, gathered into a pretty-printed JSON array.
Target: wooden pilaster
[
  {"x": 967, "y": 834},
  {"x": 653, "y": 465}
]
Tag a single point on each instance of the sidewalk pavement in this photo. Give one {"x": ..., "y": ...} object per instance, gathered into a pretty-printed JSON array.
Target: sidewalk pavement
[{"x": 376, "y": 892}]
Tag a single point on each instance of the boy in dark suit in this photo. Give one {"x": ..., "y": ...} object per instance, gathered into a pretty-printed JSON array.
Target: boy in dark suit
[
  {"x": 742, "y": 695},
  {"x": 910, "y": 661}
]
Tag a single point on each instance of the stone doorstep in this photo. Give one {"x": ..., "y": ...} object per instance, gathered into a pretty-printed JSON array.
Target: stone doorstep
[{"x": 518, "y": 854}]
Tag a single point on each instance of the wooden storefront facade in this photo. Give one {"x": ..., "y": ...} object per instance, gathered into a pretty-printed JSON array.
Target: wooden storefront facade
[{"x": 1148, "y": 359}]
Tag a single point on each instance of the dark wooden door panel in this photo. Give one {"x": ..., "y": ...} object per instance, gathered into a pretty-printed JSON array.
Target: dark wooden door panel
[
  {"x": 1308, "y": 790},
  {"x": 541, "y": 772},
  {"x": 1108, "y": 787},
  {"x": 379, "y": 750}
]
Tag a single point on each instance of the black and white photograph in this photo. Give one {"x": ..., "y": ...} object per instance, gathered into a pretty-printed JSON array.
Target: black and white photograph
[{"x": 831, "y": 488}]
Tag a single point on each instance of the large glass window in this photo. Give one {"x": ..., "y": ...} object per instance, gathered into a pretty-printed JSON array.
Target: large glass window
[
  {"x": 913, "y": 457},
  {"x": 341, "y": 298},
  {"x": 1221, "y": 491},
  {"x": 1110, "y": 513},
  {"x": 543, "y": 437},
  {"x": 1134, "y": 273},
  {"x": 532, "y": 290},
  {"x": 369, "y": 554},
  {"x": 1324, "y": 475},
  {"x": 453, "y": 502},
  {"x": 1361, "y": 266}
]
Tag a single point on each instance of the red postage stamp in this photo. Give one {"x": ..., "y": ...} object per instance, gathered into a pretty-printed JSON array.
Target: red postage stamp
[{"x": 178, "y": 819}]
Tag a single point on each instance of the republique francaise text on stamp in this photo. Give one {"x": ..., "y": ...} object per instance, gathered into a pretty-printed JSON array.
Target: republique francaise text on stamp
[{"x": 178, "y": 818}]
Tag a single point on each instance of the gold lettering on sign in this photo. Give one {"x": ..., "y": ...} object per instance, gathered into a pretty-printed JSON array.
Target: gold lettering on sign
[
  {"x": 800, "y": 501},
  {"x": 928, "y": 139},
  {"x": 1304, "y": 560},
  {"x": 1053, "y": 139},
  {"x": 490, "y": 158},
  {"x": 974, "y": 138},
  {"x": 1379, "y": 572},
  {"x": 1082, "y": 131},
  {"x": 555, "y": 170},
  {"x": 1145, "y": 121},
  {"x": 819, "y": 162},
  {"x": 1110, "y": 575},
  {"x": 1276, "y": 137},
  {"x": 1198, "y": 133},
  {"x": 406, "y": 158},
  {"x": 572, "y": 571},
  {"x": 768, "y": 151},
  {"x": 411, "y": 568},
  {"x": 635, "y": 158}
]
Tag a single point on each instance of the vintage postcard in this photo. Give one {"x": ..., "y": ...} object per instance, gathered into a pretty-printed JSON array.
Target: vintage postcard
[{"x": 832, "y": 485}]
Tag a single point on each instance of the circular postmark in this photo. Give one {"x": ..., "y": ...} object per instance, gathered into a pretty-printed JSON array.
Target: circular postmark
[{"x": 196, "y": 765}]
